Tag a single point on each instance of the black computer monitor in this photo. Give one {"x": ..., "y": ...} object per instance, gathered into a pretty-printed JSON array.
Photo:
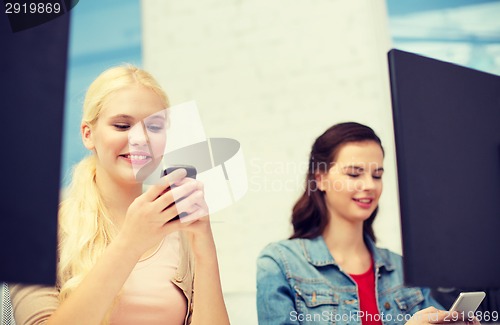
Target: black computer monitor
[
  {"x": 447, "y": 131},
  {"x": 33, "y": 64}
]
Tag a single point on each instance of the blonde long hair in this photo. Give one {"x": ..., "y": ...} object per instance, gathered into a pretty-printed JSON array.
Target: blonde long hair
[{"x": 85, "y": 227}]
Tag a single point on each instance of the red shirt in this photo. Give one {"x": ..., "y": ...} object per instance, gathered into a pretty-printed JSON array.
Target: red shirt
[{"x": 367, "y": 297}]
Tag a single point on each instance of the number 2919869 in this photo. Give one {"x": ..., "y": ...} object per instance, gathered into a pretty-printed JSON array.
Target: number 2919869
[{"x": 32, "y": 8}]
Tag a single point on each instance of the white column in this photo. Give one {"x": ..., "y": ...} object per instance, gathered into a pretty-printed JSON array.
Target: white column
[{"x": 274, "y": 75}]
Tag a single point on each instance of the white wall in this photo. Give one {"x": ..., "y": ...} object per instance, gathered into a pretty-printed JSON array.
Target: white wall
[{"x": 274, "y": 75}]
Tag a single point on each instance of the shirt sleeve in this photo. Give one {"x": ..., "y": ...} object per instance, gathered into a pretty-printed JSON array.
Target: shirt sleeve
[
  {"x": 429, "y": 300},
  {"x": 33, "y": 304},
  {"x": 275, "y": 297}
]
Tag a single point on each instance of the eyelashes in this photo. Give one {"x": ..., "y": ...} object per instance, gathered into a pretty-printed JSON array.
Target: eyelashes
[
  {"x": 155, "y": 128},
  {"x": 357, "y": 175},
  {"x": 121, "y": 127}
]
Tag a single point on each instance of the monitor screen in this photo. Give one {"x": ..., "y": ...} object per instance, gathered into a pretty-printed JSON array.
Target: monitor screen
[
  {"x": 447, "y": 131},
  {"x": 33, "y": 64}
]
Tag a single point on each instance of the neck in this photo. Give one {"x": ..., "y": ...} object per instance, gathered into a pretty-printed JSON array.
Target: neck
[
  {"x": 345, "y": 240},
  {"x": 117, "y": 196}
]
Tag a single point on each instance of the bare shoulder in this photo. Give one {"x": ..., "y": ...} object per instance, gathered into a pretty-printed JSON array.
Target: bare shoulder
[{"x": 33, "y": 304}]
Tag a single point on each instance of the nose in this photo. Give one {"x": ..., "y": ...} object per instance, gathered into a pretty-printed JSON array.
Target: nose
[
  {"x": 137, "y": 135},
  {"x": 366, "y": 184}
]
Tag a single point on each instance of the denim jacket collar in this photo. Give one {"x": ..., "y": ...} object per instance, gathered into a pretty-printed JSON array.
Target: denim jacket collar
[{"x": 317, "y": 253}]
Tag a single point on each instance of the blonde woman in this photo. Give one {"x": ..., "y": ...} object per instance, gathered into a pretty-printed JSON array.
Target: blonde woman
[{"x": 120, "y": 259}]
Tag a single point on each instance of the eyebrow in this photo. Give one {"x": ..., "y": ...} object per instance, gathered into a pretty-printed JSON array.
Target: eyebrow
[
  {"x": 124, "y": 116},
  {"x": 155, "y": 117},
  {"x": 129, "y": 117},
  {"x": 361, "y": 168}
]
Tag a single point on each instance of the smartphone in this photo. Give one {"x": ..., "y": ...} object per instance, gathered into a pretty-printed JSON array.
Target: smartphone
[
  {"x": 191, "y": 172},
  {"x": 467, "y": 302}
]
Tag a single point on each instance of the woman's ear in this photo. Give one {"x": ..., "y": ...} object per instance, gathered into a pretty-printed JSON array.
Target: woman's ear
[
  {"x": 320, "y": 181},
  {"x": 86, "y": 132}
]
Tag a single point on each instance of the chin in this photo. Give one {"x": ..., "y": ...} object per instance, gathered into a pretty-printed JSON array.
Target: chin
[
  {"x": 126, "y": 176},
  {"x": 363, "y": 216},
  {"x": 142, "y": 173},
  {"x": 130, "y": 180}
]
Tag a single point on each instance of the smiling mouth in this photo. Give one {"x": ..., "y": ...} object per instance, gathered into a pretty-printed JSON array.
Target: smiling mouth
[
  {"x": 136, "y": 157},
  {"x": 137, "y": 160},
  {"x": 365, "y": 201}
]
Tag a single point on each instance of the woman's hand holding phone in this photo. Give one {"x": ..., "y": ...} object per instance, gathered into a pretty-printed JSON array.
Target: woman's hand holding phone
[
  {"x": 194, "y": 213},
  {"x": 147, "y": 218},
  {"x": 433, "y": 315}
]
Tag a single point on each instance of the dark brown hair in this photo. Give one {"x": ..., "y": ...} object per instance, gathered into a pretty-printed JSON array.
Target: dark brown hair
[{"x": 309, "y": 214}]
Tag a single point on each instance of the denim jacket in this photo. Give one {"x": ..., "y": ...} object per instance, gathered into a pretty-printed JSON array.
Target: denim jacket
[{"x": 299, "y": 282}]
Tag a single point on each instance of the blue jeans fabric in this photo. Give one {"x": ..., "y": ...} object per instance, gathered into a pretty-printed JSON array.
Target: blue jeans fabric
[{"x": 299, "y": 282}]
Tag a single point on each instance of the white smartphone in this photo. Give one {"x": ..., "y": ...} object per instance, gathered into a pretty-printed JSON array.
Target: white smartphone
[{"x": 467, "y": 302}]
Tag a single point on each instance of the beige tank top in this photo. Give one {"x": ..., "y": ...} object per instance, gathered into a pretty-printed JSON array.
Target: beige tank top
[{"x": 148, "y": 296}]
